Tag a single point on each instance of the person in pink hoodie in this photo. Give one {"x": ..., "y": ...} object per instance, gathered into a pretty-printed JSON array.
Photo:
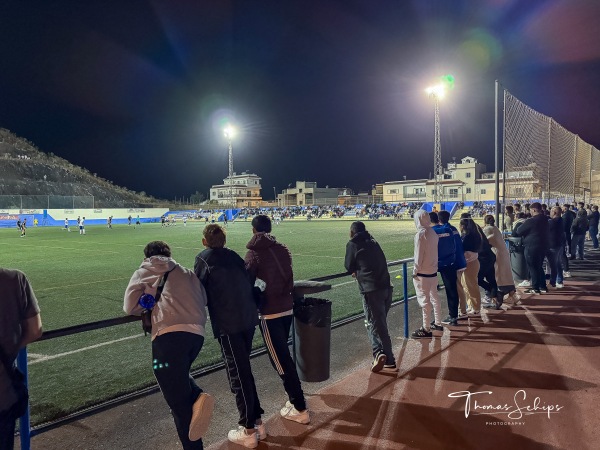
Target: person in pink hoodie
[{"x": 178, "y": 321}]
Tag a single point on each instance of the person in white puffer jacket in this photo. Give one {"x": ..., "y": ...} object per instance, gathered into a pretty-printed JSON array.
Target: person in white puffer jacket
[{"x": 425, "y": 274}]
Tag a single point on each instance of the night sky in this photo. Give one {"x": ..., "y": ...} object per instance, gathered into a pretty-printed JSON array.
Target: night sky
[{"x": 329, "y": 91}]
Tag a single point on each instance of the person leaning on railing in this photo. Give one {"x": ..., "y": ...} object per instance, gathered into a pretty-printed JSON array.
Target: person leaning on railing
[
  {"x": 20, "y": 324},
  {"x": 178, "y": 321}
]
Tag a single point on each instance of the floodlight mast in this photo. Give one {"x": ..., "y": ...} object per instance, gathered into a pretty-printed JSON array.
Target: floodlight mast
[
  {"x": 229, "y": 133},
  {"x": 436, "y": 93}
]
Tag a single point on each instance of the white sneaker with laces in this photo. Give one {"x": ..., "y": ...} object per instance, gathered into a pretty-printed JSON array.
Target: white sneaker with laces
[
  {"x": 291, "y": 413},
  {"x": 241, "y": 436},
  {"x": 486, "y": 300},
  {"x": 378, "y": 363},
  {"x": 524, "y": 283},
  {"x": 567, "y": 274},
  {"x": 559, "y": 285},
  {"x": 261, "y": 431}
]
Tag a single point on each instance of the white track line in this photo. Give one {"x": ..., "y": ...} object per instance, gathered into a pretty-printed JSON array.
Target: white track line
[{"x": 60, "y": 355}]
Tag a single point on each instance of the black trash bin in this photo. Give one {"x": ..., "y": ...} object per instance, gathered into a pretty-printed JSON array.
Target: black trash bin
[
  {"x": 312, "y": 334},
  {"x": 517, "y": 258}
]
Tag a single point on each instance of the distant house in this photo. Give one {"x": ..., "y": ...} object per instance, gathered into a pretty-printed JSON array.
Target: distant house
[{"x": 241, "y": 190}]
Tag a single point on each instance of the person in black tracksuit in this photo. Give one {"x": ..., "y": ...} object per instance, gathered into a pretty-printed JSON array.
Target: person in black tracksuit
[
  {"x": 233, "y": 316},
  {"x": 535, "y": 233}
]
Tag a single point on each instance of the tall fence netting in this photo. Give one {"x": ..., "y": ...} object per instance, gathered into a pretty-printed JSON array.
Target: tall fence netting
[{"x": 545, "y": 162}]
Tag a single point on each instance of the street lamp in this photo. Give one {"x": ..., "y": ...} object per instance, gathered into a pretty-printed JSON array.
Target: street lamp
[
  {"x": 437, "y": 93},
  {"x": 229, "y": 133}
]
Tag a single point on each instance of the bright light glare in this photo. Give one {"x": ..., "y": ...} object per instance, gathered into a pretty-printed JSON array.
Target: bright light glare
[
  {"x": 439, "y": 90},
  {"x": 229, "y": 132}
]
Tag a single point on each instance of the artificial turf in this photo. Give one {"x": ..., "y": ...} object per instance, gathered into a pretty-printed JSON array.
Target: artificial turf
[{"x": 81, "y": 278}]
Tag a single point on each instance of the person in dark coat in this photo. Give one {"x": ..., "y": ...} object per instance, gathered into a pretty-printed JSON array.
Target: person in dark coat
[
  {"x": 535, "y": 234},
  {"x": 594, "y": 218},
  {"x": 233, "y": 316},
  {"x": 556, "y": 247},
  {"x": 366, "y": 262},
  {"x": 568, "y": 217},
  {"x": 578, "y": 229}
]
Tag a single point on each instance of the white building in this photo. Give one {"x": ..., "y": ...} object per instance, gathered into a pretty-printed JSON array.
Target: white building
[{"x": 239, "y": 191}]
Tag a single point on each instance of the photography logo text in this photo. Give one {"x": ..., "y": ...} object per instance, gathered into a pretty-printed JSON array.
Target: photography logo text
[{"x": 478, "y": 403}]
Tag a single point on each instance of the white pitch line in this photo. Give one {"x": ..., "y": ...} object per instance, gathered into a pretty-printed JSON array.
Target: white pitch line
[
  {"x": 80, "y": 284},
  {"x": 65, "y": 248},
  {"x": 318, "y": 256},
  {"x": 60, "y": 355}
]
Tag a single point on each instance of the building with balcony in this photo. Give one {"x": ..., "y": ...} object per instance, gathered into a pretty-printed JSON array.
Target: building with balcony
[
  {"x": 241, "y": 190},
  {"x": 467, "y": 181}
]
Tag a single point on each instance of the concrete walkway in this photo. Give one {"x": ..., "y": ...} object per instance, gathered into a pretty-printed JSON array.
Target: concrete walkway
[{"x": 532, "y": 372}]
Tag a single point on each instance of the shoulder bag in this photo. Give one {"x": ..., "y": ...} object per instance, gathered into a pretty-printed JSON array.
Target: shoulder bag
[{"x": 147, "y": 313}]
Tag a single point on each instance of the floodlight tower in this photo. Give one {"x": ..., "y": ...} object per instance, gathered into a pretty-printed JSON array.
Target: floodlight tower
[
  {"x": 229, "y": 133},
  {"x": 437, "y": 92}
]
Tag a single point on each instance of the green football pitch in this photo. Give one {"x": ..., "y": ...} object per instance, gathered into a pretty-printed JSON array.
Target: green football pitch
[{"x": 81, "y": 278}]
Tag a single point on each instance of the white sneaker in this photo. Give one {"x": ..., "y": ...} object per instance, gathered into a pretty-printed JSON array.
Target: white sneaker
[
  {"x": 378, "y": 363},
  {"x": 291, "y": 413},
  {"x": 566, "y": 274},
  {"x": 524, "y": 283},
  {"x": 559, "y": 285},
  {"x": 241, "y": 436},
  {"x": 261, "y": 431},
  {"x": 486, "y": 300}
]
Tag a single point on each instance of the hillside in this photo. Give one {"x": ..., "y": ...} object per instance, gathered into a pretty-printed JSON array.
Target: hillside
[{"x": 27, "y": 171}]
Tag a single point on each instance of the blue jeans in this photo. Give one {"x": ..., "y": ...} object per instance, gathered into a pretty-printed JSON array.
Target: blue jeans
[
  {"x": 554, "y": 256},
  {"x": 577, "y": 241},
  {"x": 594, "y": 235},
  {"x": 376, "y": 305}
]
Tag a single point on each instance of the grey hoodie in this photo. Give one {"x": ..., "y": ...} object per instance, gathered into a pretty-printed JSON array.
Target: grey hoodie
[
  {"x": 426, "y": 245},
  {"x": 182, "y": 305}
]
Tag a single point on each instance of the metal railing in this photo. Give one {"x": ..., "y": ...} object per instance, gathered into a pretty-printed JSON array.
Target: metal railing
[{"x": 25, "y": 430}]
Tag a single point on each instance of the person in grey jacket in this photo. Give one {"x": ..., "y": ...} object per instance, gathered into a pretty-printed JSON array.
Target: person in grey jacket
[
  {"x": 366, "y": 262},
  {"x": 178, "y": 321}
]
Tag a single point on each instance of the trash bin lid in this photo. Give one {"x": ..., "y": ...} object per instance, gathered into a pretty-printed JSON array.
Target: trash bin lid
[{"x": 305, "y": 287}]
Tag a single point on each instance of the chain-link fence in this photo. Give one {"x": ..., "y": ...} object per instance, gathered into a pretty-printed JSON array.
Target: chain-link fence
[{"x": 544, "y": 161}]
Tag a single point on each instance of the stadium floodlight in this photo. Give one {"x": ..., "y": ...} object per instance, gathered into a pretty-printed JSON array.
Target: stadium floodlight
[
  {"x": 438, "y": 91},
  {"x": 229, "y": 133}
]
